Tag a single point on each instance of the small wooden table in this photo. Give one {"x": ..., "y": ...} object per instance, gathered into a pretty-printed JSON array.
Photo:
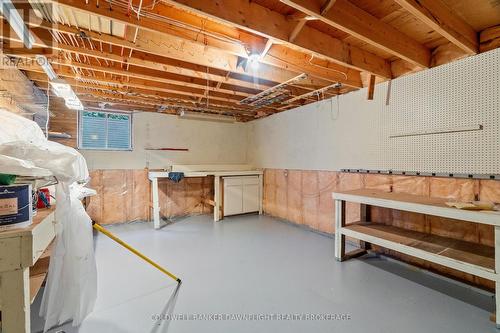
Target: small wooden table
[
  {"x": 468, "y": 257},
  {"x": 23, "y": 250}
]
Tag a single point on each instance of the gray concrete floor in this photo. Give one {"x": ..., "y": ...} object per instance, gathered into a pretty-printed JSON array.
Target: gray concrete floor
[{"x": 258, "y": 265}]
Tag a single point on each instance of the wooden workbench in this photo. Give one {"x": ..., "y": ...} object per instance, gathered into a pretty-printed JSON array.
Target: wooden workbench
[
  {"x": 23, "y": 267},
  {"x": 468, "y": 257},
  {"x": 217, "y": 174}
]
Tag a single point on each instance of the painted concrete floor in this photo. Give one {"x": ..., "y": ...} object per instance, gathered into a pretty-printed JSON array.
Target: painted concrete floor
[{"x": 258, "y": 265}]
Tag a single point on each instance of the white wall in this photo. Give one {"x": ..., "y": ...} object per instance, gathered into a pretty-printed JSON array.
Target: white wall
[
  {"x": 352, "y": 132},
  {"x": 345, "y": 132},
  {"x": 208, "y": 143}
]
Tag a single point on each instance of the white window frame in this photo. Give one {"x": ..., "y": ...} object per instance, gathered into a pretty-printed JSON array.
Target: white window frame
[{"x": 80, "y": 129}]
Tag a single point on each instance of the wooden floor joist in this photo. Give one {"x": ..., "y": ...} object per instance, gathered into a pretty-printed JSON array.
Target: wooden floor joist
[{"x": 197, "y": 50}]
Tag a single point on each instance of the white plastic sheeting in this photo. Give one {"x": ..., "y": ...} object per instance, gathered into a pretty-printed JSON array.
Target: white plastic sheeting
[{"x": 71, "y": 287}]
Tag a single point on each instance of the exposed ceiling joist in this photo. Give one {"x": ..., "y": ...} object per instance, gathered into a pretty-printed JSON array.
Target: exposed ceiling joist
[
  {"x": 313, "y": 93},
  {"x": 297, "y": 29},
  {"x": 327, "y": 6},
  {"x": 152, "y": 78},
  {"x": 92, "y": 94},
  {"x": 157, "y": 38},
  {"x": 490, "y": 38},
  {"x": 438, "y": 16},
  {"x": 347, "y": 17},
  {"x": 132, "y": 90},
  {"x": 266, "y": 49},
  {"x": 150, "y": 57},
  {"x": 191, "y": 54},
  {"x": 108, "y": 84},
  {"x": 254, "y": 18},
  {"x": 319, "y": 67},
  {"x": 153, "y": 49}
]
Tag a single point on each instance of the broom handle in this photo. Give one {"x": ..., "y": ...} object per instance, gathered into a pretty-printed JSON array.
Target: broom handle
[{"x": 134, "y": 251}]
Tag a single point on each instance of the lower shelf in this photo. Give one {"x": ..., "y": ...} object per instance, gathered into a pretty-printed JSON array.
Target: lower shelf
[
  {"x": 468, "y": 257},
  {"x": 36, "y": 282},
  {"x": 38, "y": 272}
]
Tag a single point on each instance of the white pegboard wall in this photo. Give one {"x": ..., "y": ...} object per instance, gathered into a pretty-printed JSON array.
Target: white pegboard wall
[
  {"x": 463, "y": 93},
  {"x": 350, "y": 132}
]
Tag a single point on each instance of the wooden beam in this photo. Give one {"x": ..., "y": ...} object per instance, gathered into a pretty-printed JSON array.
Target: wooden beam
[
  {"x": 446, "y": 53},
  {"x": 95, "y": 95},
  {"x": 266, "y": 49},
  {"x": 254, "y": 18},
  {"x": 149, "y": 77},
  {"x": 133, "y": 82},
  {"x": 129, "y": 88},
  {"x": 115, "y": 106},
  {"x": 297, "y": 29},
  {"x": 489, "y": 38},
  {"x": 321, "y": 91},
  {"x": 371, "y": 87},
  {"x": 362, "y": 25},
  {"x": 157, "y": 98},
  {"x": 139, "y": 91},
  {"x": 438, "y": 16},
  {"x": 148, "y": 57},
  {"x": 327, "y": 6},
  {"x": 319, "y": 67},
  {"x": 157, "y": 37},
  {"x": 158, "y": 101}
]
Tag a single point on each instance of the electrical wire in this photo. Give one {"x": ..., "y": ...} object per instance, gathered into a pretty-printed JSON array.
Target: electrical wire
[
  {"x": 48, "y": 112},
  {"x": 124, "y": 4},
  {"x": 323, "y": 67}
]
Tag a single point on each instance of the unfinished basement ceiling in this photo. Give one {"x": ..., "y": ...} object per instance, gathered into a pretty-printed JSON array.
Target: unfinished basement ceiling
[{"x": 187, "y": 55}]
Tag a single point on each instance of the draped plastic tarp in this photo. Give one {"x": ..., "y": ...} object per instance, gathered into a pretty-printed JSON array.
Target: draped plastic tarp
[{"x": 71, "y": 287}]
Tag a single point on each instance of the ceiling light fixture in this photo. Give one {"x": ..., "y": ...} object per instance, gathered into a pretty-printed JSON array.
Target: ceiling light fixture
[
  {"x": 74, "y": 104},
  {"x": 61, "y": 88},
  {"x": 253, "y": 61},
  {"x": 10, "y": 12}
]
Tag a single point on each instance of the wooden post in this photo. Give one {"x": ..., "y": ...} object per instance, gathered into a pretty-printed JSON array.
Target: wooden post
[
  {"x": 365, "y": 217},
  {"x": 339, "y": 223},
  {"x": 217, "y": 198},
  {"x": 261, "y": 193},
  {"x": 15, "y": 291},
  {"x": 371, "y": 87},
  {"x": 156, "y": 204}
]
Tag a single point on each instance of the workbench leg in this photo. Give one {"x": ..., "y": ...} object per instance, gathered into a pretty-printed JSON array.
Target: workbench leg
[
  {"x": 15, "y": 298},
  {"x": 156, "y": 203},
  {"x": 365, "y": 217},
  {"x": 497, "y": 271},
  {"x": 261, "y": 193},
  {"x": 216, "y": 198},
  {"x": 339, "y": 223}
]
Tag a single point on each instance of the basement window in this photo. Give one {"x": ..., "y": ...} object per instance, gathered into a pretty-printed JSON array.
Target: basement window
[{"x": 104, "y": 130}]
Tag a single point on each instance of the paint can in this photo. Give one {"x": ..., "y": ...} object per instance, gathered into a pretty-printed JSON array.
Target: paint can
[{"x": 16, "y": 206}]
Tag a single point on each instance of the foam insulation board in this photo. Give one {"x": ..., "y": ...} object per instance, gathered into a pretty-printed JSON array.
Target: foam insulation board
[{"x": 304, "y": 197}]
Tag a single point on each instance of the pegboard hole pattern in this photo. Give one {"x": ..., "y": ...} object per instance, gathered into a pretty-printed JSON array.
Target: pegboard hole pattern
[{"x": 458, "y": 94}]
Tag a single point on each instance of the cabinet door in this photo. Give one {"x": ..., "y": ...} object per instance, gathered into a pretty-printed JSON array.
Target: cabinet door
[
  {"x": 233, "y": 199},
  {"x": 251, "y": 198}
]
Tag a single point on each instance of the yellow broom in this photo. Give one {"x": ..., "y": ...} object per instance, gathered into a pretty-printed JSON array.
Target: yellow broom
[{"x": 134, "y": 251}]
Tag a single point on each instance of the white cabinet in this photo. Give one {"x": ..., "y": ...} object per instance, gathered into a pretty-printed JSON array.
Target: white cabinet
[
  {"x": 233, "y": 198},
  {"x": 241, "y": 195}
]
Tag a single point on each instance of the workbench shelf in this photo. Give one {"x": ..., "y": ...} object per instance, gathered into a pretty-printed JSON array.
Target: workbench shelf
[
  {"x": 24, "y": 260},
  {"x": 468, "y": 257}
]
